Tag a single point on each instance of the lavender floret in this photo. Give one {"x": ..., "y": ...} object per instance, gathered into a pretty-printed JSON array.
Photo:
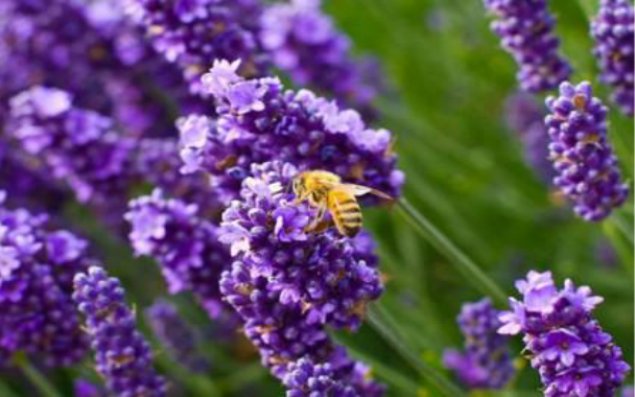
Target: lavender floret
[
  {"x": 526, "y": 32},
  {"x": 573, "y": 355},
  {"x": 486, "y": 362},
  {"x": 613, "y": 30},
  {"x": 586, "y": 167},
  {"x": 122, "y": 355}
]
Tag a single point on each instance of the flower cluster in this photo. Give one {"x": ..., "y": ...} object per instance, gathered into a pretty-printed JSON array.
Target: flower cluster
[
  {"x": 122, "y": 355},
  {"x": 486, "y": 362},
  {"x": 526, "y": 117},
  {"x": 526, "y": 32},
  {"x": 574, "y": 356},
  {"x": 74, "y": 145},
  {"x": 583, "y": 158},
  {"x": 303, "y": 42},
  {"x": 185, "y": 245},
  {"x": 91, "y": 51},
  {"x": 288, "y": 285},
  {"x": 176, "y": 335},
  {"x": 258, "y": 121},
  {"x": 36, "y": 270},
  {"x": 194, "y": 33},
  {"x": 157, "y": 162},
  {"x": 613, "y": 30}
]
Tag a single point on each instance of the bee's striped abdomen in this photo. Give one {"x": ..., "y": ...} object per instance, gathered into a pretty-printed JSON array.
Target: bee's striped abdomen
[{"x": 345, "y": 211}]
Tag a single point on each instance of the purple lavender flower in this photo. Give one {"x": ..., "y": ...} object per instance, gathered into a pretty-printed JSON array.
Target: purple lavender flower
[
  {"x": 526, "y": 118},
  {"x": 612, "y": 30},
  {"x": 573, "y": 355},
  {"x": 176, "y": 335},
  {"x": 583, "y": 158},
  {"x": 157, "y": 162},
  {"x": 122, "y": 355},
  {"x": 258, "y": 122},
  {"x": 288, "y": 285},
  {"x": 526, "y": 32},
  {"x": 486, "y": 362},
  {"x": 38, "y": 316},
  {"x": 628, "y": 391},
  {"x": 194, "y": 33},
  {"x": 75, "y": 145},
  {"x": 94, "y": 52},
  {"x": 185, "y": 246},
  {"x": 303, "y": 42},
  {"x": 84, "y": 388}
]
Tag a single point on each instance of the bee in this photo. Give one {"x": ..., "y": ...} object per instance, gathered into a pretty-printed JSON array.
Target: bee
[{"x": 326, "y": 191}]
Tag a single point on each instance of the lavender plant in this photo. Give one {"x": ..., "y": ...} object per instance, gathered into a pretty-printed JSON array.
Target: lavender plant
[
  {"x": 183, "y": 244},
  {"x": 525, "y": 117},
  {"x": 122, "y": 355},
  {"x": 573, "y": 355},
  {"x": 613, "y": 29},
  {"x": 303, "y": 41},
  {"x": 486, "y": 362},
  {"x": 258, "y": 121},
  {"x": 194, "y": 33},
  {"x": 36, "y": 269},
  {"x": 582, "y": 156},
  {"x": 288, "y": 285},
  {"x": 75, "y": 145},
  {"x": 526, "y": 32}
]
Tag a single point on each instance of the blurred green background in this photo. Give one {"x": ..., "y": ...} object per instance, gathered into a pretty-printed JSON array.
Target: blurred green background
[{"x": 447, "y": 79}]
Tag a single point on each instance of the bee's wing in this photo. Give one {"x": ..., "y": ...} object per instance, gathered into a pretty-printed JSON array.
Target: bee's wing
[{"x": 359, "y": 190}]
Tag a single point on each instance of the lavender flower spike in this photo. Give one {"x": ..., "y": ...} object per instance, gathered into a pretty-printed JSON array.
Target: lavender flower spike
[
  {"x": 573, "y": 355},
  {"x": 194, "y": 33},
  {"x": 184, "y": 245},
  {"x": 259, "y": 121},
  {"x": 123, "y": 357},
  {"x": 303, "y": 42},
  {"x": 526, "y": 32},
  {"x": 36, "y": 270},
  {"x": 77, "y": 146},
  {"x": 288, "y": 285},
  {"x": 177, "y": 336},
  {"x": 612, "y": 30},
  {"x": 486, "y": 362},
  {"x": 525, "y": 116},
  {"x": 583, "y": 158}
]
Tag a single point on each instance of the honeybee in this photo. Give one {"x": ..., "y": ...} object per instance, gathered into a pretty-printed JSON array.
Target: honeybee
[{"x": 326, "y": 191}]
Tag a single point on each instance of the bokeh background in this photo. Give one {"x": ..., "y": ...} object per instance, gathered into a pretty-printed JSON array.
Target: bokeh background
[{"x": 447, "y": 80}]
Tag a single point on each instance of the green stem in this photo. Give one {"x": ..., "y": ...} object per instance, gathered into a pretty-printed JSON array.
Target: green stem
[
  {"x": 444, "y": 386},
  {"x": 38, "y": 380},
  {"x": 386, "y": 372},
  {"x": 464, "y": 264}
]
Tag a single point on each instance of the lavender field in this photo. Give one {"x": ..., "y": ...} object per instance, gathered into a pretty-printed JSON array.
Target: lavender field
[{"x": 305, "y": 198}]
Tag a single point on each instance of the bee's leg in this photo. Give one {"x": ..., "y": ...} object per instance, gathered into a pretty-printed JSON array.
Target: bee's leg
[{"x": 318, "y": 220}]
